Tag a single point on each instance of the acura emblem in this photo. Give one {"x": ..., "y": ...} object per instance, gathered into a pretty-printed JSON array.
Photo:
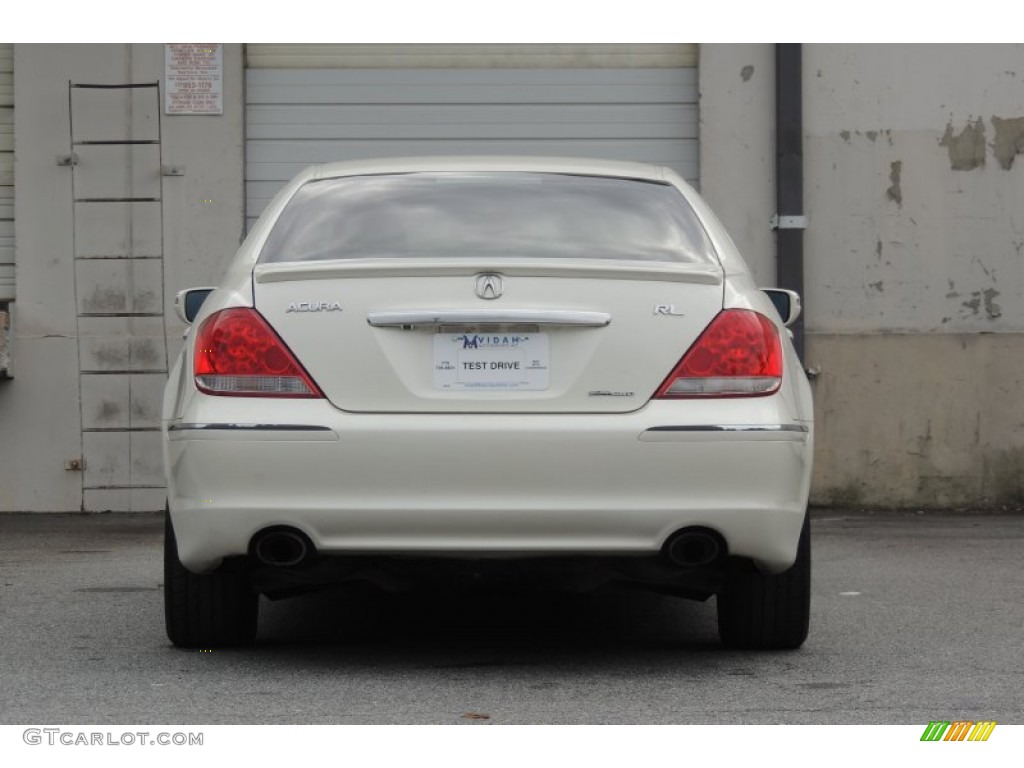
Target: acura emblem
[{"x": 489, "y": 286}]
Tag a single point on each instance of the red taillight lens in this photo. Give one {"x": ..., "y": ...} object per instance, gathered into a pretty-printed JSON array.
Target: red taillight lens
[
  {"x": 738, "y": 355},
  {"x": 237, "y": 353}
]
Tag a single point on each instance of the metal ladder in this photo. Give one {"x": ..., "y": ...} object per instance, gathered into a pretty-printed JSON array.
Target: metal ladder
[{"x": 117, "y": 248}]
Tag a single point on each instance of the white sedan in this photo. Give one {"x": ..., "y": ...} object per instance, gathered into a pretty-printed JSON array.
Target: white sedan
[{"x": 555, "y": 371}]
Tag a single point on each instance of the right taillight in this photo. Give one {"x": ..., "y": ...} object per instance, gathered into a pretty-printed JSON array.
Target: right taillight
[
  {"x": 738, "y": 355},
  {"x": 238, "y": 353}
]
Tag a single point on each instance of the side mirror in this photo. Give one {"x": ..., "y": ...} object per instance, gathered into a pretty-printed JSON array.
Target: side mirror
[
  {"x": 787, "y": 303},
  {"x": 188, "y": 302}
]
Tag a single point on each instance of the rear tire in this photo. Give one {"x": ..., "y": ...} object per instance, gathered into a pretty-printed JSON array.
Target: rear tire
[
  {"x": 214, "y": 610},
  {"x": 768, "y": 612}
]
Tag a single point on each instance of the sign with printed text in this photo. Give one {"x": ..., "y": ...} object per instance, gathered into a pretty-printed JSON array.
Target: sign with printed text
[
  {"x": 491, "y": 361},
  {"x": 194, "y": 79}
]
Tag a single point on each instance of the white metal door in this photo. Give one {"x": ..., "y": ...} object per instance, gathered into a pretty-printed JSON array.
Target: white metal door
[{"x": 317, "y": 103}]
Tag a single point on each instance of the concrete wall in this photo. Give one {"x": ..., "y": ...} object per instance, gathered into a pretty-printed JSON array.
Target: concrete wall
[
  {"x": 737, "y": 146},
  {"x": 58, "y": 332},
  {"x": 914, "y": 256}
]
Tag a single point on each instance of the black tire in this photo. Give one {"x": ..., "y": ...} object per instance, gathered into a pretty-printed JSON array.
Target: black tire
[
  {"x": 206, "y": 611},
  {"x": 763, "y": 612}
]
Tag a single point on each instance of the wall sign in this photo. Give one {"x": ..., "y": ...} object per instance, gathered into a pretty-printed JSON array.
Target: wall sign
[{"x": 194, "y": 79}]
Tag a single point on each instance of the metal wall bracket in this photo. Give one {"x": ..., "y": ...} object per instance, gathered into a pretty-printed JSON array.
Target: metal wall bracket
[
  {"x": 787, "y": 222},
  {"x": 172, "y": 170},
  {"x": 67, "y": 160}
]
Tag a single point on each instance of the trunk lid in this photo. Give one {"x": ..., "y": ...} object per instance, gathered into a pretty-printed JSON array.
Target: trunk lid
[{"x": 539, "y": 336}]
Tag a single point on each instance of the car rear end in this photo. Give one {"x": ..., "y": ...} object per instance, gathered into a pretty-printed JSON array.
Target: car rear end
[{"x": 480, "y": 363}]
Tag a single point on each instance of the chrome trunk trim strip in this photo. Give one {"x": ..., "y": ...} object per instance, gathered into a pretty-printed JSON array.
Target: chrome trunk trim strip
[
  {"x": 428, "y": 319},
  {"x": 250, "y": 427}
]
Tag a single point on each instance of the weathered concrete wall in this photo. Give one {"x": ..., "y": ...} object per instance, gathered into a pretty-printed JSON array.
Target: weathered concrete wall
[
  {"x": 915, "y": 255},
  {"x": 914, "y": 188},
  {"x": 916, "y": 205},
  {"x": 918, "y": 420},
  {"x": 737, "y": 145},
  {"x": 43, "y": 410}
]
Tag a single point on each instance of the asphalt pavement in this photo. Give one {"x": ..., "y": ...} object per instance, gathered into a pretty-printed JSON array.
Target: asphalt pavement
[{"x": 916, "y": 617}]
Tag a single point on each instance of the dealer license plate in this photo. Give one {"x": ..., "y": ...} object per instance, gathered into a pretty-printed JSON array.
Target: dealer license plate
[{"x": 491, "y": 361}]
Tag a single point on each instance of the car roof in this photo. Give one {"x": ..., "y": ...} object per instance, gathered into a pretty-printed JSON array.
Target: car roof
[{"x": 570, "y": 165}]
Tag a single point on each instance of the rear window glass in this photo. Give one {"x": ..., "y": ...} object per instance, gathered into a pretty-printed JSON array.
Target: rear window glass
[{"x": 487, "y": 215}]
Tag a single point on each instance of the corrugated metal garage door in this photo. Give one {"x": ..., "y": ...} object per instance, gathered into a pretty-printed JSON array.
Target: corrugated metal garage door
[
  {"x": 319, "y": 103},
  {"x": 6, "y": 171}
]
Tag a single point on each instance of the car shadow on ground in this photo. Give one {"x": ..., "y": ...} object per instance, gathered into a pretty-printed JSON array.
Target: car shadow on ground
[{"x": 458, "y": 625}]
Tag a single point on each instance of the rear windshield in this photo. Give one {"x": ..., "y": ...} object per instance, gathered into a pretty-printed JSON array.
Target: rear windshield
[{"x": 487, "y": 215}]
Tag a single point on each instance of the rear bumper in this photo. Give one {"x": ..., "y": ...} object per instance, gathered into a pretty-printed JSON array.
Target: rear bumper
[{"x": 483, "y": 485}]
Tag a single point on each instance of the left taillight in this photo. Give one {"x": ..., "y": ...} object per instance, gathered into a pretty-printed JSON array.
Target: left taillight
[{"x": 237, "y": 353}]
